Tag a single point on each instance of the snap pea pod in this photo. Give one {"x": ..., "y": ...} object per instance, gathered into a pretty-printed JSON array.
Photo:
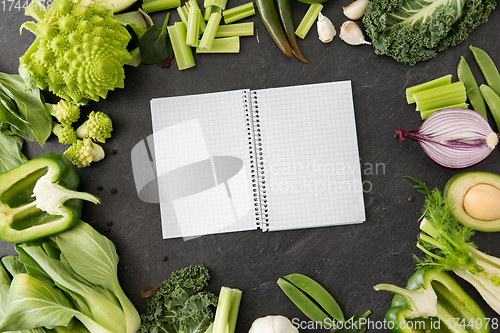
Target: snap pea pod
[
  {"x": 488, "y": 68},
  {"x": 493, "y": 101},
  {"x": 472, "y": 90}
]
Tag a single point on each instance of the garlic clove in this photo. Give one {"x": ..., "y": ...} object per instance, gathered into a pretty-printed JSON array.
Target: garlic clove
[
  {"x": 356, "y": 9},
  {"x": 351, "y": 33},
  {"x": 273, "y": 324},
  {"x": 282, "y": 324},
  {"x": 326, "y": 30}
]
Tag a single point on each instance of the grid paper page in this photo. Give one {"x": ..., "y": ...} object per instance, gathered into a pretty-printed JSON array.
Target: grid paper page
[
  {"x": 202, "y": 159},
  {"x": 311, "y": 160}
]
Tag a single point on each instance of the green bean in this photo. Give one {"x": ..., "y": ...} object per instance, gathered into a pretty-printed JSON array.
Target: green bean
[
  {"x": 473, "y": 94},
  {"x": 493, "y": 101},
  {"x": 303, "y": 302},
  {"x": 487, "y": 66},
  {"x": 318, "y": 294}
]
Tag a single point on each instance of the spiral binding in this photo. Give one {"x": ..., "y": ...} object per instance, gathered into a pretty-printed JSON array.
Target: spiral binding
[{"x": 258, "y": 174}]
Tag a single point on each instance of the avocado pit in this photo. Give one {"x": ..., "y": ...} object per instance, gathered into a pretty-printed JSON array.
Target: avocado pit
[{"x": 482, "y": 202}]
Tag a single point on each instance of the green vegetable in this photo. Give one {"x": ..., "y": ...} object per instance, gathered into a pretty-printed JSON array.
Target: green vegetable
[
  {"x": 39, "y": 199},
  {"x": 193, "y": 22},
  {"x": 155, "y": 44},
  {"x": 416, "y": 30},
  {"x": 308, "y": 20},
  {"x": 179, "y": 305},
  {"x": 285, "y": 12},
  {"x": 98, "y": 127},
  {"x": 488, "y": 68},
  {"x": 182, "y": 52},
  {"x": 269, "y": 15},
  {"x": 473, "y": 94},
  {"x": 427, "y": 113},
  {"x": 237, "y": 13},
  {"x": 447, "y": 246},
  {"x": 10, "y": 151},
  {"x": 440, "y": 97},
  {"x": 208, "y": 37},
  {"x": 493, "y": 101},
  {"x": 223, "y": 45},
  {"x": 159, "y": 5},
  {"x": 79, "y": 50},
  {"x": 64, "y": 111},
  {"x": 209, "y": 10},
  {"x": 135, "y": 20},
  {"x": 236, "y": 29},
  {"x": 84, "y": 152},
  {"x": 444, "y": 80},
  {"x": 227, "y": 310},
  {"x": 65, "y": 133},
  {"x": 433, "y": 299},
  {"x": 217, "y": 3}
]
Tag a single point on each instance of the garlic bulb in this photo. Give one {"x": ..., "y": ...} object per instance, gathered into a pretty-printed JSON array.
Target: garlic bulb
[
  {"x": 326, "y": 30},
  {"x": 273, "y": 324},
  {"x": 351, "y": 33},
  {"x": 356, "y": 9}
]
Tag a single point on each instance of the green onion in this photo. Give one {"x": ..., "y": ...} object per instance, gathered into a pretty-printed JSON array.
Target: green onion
[
  {"x": 425, "y": 114},
  {"x": 237, "y": 13},
  {"x": 223, "y": 45},
  {"x": 440, "y": 97},
  {"x": 211, "y": 9},
  {"x": 182, "y": 52},
  {"x": 159, "y": 5},
  {"x": 226, "y": 314},
  {"x": 209, "y": 34},
  {"x": 183, "y": 13},
  {"x": 426, "y": 85},
  {"x": 192, "y": 26},
  {"x": 219, "y": 3},
  {"x": 308, "y": 20},
  {"x": 236, "y": 29}
]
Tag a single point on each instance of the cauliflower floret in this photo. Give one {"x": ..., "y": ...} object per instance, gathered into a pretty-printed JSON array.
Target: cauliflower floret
[{"x": 97, "y": 127}]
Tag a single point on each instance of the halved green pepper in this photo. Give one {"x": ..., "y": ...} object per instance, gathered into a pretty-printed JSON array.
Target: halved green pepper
[
  {"x": 39, "y": 198},
  {"x": 433, "y": 302}
]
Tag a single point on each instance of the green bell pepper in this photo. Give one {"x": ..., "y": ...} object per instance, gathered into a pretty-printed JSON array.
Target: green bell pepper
[
  {"x": 433, "y": 302},
  {"x": 39, "y": 198}
]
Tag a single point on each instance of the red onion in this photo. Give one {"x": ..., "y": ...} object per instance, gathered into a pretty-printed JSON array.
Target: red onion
[{"x": 454, "y": 138}]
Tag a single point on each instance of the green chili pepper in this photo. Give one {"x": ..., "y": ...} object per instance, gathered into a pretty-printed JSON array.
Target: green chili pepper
[
  {"x": 269, "y": 15},
  {"x": 39, "y": 199},
  {"x": 433, "y": 302},
  {"x": 285, "y": 12},
  {"x": 473, "y": 94},
  {"x": 493, "y": 101},
  {"x": 488, "y": 68}
]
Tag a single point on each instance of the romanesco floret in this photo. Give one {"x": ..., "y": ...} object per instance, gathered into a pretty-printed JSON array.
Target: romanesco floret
[
  {"x": 97, "y": 127},
  {"x": 84, "y": 152},
  {"x": 65, "y": 112},
  {"x": 65, "y": 133},
  {"x": 79, "y": 51}
]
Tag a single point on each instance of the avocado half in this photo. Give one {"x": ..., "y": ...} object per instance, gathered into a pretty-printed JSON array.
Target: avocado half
[{"x": 456, "y": 189}]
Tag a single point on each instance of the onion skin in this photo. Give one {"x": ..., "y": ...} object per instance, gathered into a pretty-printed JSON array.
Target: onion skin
[{"x": 454, "y": 138}]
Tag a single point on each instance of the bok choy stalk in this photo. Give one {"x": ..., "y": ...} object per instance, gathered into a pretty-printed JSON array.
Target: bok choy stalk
[{"x": 447, "y": 246}]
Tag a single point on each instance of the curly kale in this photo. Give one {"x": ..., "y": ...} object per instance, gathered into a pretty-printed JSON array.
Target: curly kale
[
  {"x": 416, "y": 30},
  {"x": 179, "y": 305}
]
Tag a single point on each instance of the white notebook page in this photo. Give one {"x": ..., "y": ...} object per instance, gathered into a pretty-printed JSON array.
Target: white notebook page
[{"x": 311, "y": 159}]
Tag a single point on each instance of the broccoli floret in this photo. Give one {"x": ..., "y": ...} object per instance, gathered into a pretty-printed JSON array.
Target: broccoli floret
[
  {"x": 83, "y": 152},
  {"x": 65, "y": 133},
  {"x": 65, "y": 112},
  {"x": 97, "y": 127},
  {"x": 415, "y": 30}
]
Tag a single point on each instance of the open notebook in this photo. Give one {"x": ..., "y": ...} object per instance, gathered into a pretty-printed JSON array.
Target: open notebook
[{"x": 274, "y": 159}]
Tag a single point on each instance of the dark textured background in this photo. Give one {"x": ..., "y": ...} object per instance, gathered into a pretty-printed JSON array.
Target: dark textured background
[{"x": 347, "y": 260}]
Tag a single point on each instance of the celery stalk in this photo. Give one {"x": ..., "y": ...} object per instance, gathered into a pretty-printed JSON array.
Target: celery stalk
[
  {"x": 439, "y": 97},
  {"x": 237, "y": 13},
  {"x": 227, "y": 310},
  {"x": 219, "y": 3},
  {"x": 236, "y": 29},
  {"x": 159, "y": 5},
  {"x": 426, "y": 85},
  {"x": 211, "y": 9},
  {"x": 192, "y": 26},
  {"x": 182, "y": 52},
  {"x": 183, "y": 13},
  {"x": 308, "y": 20},
  {"x": 223, "y": 45},
  {"x": 208, "y": 36},
  {"x": 427, "y": 113},
  {"x": 201, "y": 20}
]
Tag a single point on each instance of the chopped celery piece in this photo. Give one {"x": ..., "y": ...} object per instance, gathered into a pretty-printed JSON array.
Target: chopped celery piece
[
  {"x": 426, "y": 85},
  {"x": 159, "y": 5},
  {"x": 208, "y": 36},
  {"x": 201, "y": 21},
  {"x": 425, "y": 114},
  {"x": 219, "y": 3},
  {"x": 237, "y": 13},
  {"x": 236, "y": 29},
  {"x": 226, "y": 314},
  {"x": 211, "y": 9},
  {"x": 182, "y": 52},
  {"x": 308, "y": 20},
  {"x": 438, "y": 97},
  {"x": 183, "y": 13},
  {"x": 223, "y": 45},
  {"x": 192, "y": 26}
]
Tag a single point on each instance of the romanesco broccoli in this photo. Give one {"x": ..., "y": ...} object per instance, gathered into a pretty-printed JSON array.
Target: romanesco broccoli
[
  {"x": 97, "y": 127},
  {"x": 79, "y": 51},
  {"x": 65, "y": 112},
  {"x": 84, "y": 152},
  {"x": 65, "y": 133}
]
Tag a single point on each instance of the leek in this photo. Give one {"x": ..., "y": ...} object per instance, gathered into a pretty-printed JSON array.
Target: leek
[
  {"x": 208, "y": 36},
  {"x": 182, "y": 52},
  {"x": 426, "y": 85},
  {"x": 223, "y": 45},
  {"x": 238, "y": 13},
  {"x": 308, "y": 20},
  {"x": 237, "y": 29}
]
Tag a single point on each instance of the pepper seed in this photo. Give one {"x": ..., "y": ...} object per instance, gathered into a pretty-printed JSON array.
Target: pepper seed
[
  {"x": 112, "y": 151},
  {"x": 107, "y": 229},
  {"x": 113, "y": 191},
  {"x": 164, "y": 258},
  {"x": 99, "y": 188},
  {"x": 110, "y": 223},
  {"x": 410, "y": 199}
]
